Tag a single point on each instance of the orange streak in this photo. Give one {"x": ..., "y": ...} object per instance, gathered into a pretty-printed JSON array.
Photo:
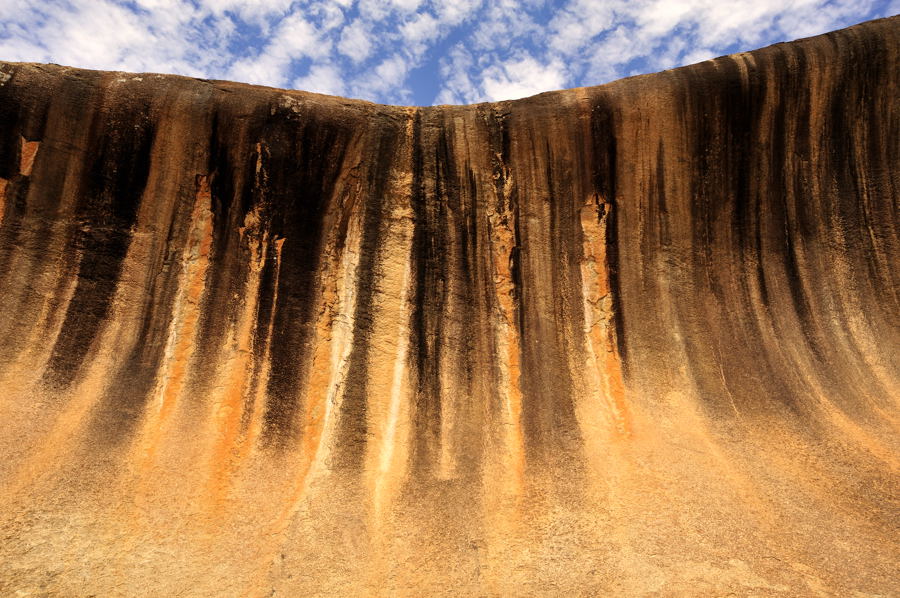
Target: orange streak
[
  {"x": 599, "y": 312},
  {"x": 511, "y": 391},
  {"x": 27, "y": 155},
  {"x": 196, "y": 263},
  {"x": 228, "y": 450},
  {"x": 3, "y": 184},
  {"x": 615, "y": 385}
]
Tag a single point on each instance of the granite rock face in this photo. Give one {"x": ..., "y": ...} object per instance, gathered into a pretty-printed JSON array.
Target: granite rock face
[{"x": 641, "y": 338}]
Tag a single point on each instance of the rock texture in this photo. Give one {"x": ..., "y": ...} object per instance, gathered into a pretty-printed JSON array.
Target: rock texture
[{"x": 632, "y": 339}]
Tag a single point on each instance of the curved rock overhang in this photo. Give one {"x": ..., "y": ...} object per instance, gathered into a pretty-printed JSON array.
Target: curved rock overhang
[{"x": 626, "y": 339}]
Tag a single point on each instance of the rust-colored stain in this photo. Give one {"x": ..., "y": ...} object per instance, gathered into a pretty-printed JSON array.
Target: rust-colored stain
[
  {"x": 510, "y": 362},
  {"x": 28, "y": 152},
  {"x": 235, "y": 378},
  {"x": 3, "y": 184},
  {"x": 636, "y": 339},
  {"x": 181, "y": 343},
  {"x": 599, "y": 319}
]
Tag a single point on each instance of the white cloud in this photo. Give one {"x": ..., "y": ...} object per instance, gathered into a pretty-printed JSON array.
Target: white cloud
[
  {"x": 454, "y": 12},
  {"x": 329, "y": 13},
  {"x": 421, "y": 28},
  {"x": 251, "y": 11},
  {"x": 385, "y": 81},
  {"x": 356, "y": 41},
  {"x": 407, "y": 5},
  {"x": 373, "y": 11},
  {"x": 322, "y": 78},
  {"x": 661, "y": 16},
  {"x": 811, "y": 18},
  {"x": 392, "y": 71},
  {"x": 503, "y": 24},
  {"x": 294, "y": 39},
  {"x": 521, "y": 78},
  {"x": 697, "y": 56},
  {"x": 458, "y": 87},
  {"x": 576, "y": 25},
  {"x": 419, "y": 34}
]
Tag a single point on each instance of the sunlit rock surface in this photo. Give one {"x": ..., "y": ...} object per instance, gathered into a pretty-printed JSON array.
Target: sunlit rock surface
[{"x": 632, "y": 339}]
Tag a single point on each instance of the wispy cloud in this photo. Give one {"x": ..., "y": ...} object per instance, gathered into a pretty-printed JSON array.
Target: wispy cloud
[
  {"x": 418, "y": 51},
  {"x": 294, "y": 39}
]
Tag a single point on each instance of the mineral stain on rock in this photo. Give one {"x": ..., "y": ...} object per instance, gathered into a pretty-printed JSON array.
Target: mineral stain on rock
[{"x": 636, "y": 339}]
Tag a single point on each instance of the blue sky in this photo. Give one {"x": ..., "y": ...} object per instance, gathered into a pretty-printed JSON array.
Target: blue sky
[{"x": 418, "y": 52}]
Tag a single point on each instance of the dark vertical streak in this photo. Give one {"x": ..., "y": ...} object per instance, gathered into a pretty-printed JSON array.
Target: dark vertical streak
[
  {"x": 106, "y": 211},
  {"x": 604, "y": 149},
  {"x": 302, "y": 165},
  {"x": 430, "y": 247}
]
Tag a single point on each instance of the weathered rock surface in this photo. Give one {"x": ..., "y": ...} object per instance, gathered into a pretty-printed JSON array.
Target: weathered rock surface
[{"x": 632, "y": 339}]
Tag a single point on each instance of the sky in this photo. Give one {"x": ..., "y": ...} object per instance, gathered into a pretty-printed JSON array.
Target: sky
[{"x": 411, "y": 52}]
